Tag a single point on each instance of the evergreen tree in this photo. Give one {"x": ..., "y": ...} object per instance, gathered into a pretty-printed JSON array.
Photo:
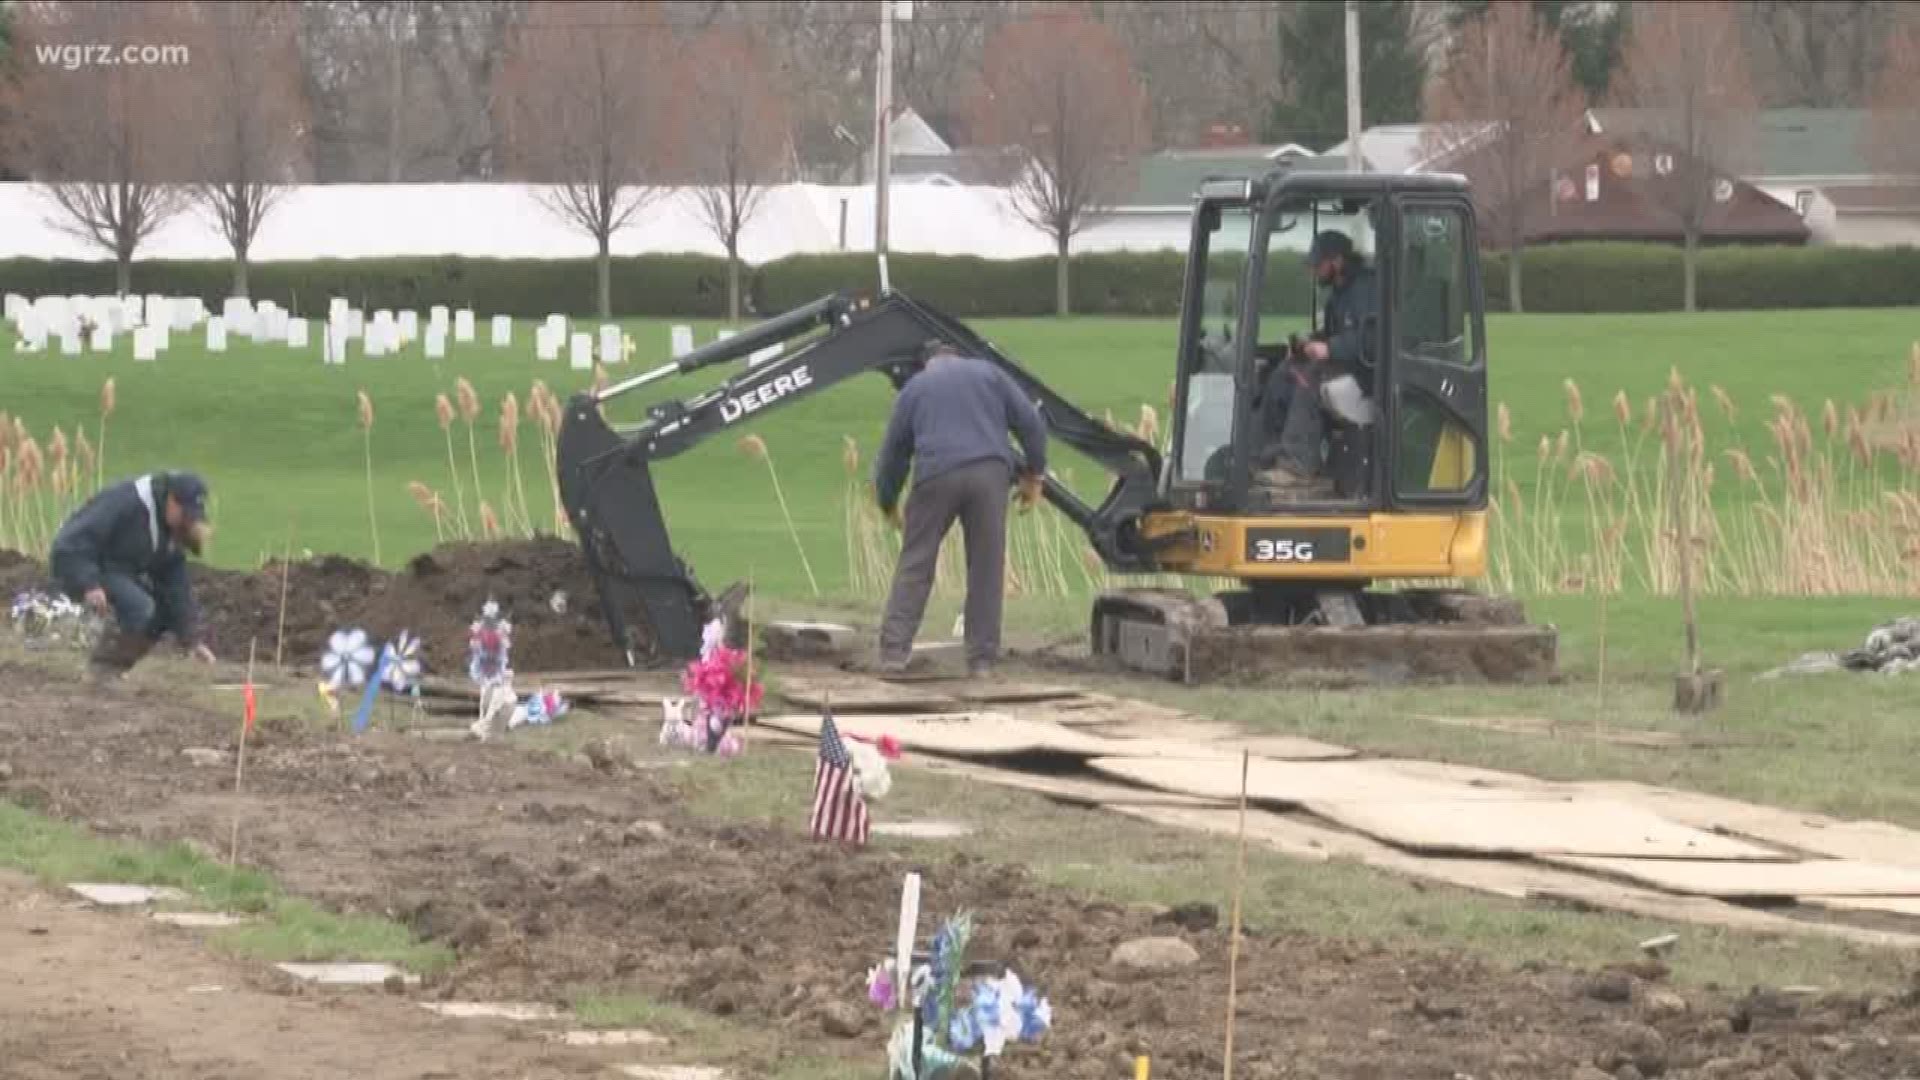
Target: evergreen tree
[{"x": 1313, "y": 54}]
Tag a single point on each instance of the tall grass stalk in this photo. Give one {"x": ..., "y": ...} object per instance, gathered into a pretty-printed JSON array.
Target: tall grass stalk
[
  {"x": 443, "y": 412},
  {"x": 366, "y": 435},
  {"x": 755, "y": 446}
]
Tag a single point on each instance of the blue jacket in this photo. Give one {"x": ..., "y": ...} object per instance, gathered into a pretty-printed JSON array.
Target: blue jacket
[
  {"x": 1350, "y": 321},
  {"x": 953, "y": 413},
  {"x": 123, "y": 529}
]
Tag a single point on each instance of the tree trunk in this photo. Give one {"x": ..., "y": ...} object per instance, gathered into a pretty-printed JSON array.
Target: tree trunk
[
  {"x": 606, "y": 276},
  {"x": 123, "y": 272},
  {"x": 1688, "y": 259},
  {"x": 1061, "y": 294},
  {"x": 240, "y": 273},
  {"x": 733, "y": 281},
  {"x": 1513, "y": 276}
]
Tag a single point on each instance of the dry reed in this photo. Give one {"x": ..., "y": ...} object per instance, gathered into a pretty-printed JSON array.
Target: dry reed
[
  {"x": 756, "y": 447},
  {"x": 366, "y": 434}
]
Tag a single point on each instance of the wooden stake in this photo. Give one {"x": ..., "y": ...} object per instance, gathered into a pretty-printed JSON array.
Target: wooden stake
[
  {"x": 286, "y": 572},
  {"x": 240, "y": 763},
  {"x": 1239, "y": 887},
  {"x": 746, "y": 701}
]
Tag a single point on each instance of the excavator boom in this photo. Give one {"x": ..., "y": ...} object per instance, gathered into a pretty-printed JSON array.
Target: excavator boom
[{"x": 606, "y": 479}]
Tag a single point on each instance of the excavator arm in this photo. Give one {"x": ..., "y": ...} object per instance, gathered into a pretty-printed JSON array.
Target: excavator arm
[{"x": 606, "y": 479}]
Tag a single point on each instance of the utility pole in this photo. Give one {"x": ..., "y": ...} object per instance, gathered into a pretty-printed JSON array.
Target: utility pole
[
  {"x": 883, "y": 133},
  {"x": 397, "y": 90},
  {"x": 1354, "y": 162}
]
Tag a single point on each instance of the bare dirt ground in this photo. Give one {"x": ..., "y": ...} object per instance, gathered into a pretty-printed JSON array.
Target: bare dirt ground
[
  {"x": 96, "y": 995},
  {"x": 547, "y": 875}
]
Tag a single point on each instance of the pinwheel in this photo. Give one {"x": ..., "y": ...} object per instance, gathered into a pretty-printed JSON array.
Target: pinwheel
[
  {"x": 348, "y": 659},
  {"x": 403, "y": 671}
]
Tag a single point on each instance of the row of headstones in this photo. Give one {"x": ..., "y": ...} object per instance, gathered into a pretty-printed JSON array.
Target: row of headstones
[{"x": 153, "y": 320}]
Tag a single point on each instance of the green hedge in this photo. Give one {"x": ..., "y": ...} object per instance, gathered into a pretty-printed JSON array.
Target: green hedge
[
  {"x": 663, "y": 286},
  {"x": 1585, "y": 277},
  {"x": 1604, "y": 278}
]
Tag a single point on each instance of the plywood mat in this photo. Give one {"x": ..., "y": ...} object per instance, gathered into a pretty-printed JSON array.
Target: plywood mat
[
  {"x": 1751, "y": 880},
  {"x": 994, "y": 734},
  {"x": 1532, "y": 826},
  {"x": 1540, "y": 726},
  {"x": 1516, "y": 880},
  {"x": 858, "y": 694},
  {"x": 1816, "y": 834},
  {"x": 1894, "y": 905},
  {"x": 1294, "y": 782}
]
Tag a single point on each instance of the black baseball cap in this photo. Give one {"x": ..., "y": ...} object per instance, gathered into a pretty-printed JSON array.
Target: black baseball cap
[
  {"x": 1327, "y": 245},
  {"x": 191, "y": 491}
]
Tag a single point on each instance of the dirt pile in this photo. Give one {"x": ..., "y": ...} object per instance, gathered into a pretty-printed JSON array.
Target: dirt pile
[{"x": 543, "y": 587}]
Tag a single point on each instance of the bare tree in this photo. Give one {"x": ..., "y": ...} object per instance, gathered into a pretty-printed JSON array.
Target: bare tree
[
  {"x": 1059, "y": 87},
  {"x": 588, "y": 93},
  {"x": 1204, "y": 61},
  {"x": 100, "y": 137},
  {"x": 1685, "y": 71},
  {"x": 1506, "y": 111},
  {"x": 740, "y": 116},
  {"x": 1894, "y": 125},
  {"x": 249, "y": 120}
]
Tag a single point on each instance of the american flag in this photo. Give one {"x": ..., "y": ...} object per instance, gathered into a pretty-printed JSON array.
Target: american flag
[{"x": 839, "y": 813}]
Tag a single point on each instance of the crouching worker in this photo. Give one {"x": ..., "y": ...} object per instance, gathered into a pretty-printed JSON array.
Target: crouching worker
[{"x": 124, "y": 555}]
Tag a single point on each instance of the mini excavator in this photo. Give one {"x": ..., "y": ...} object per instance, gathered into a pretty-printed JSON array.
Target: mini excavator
[{"x": 1402, "y": 500}]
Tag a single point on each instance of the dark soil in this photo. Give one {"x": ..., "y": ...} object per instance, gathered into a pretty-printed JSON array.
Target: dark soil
[
  {"x": 547, "y": 875},
  {"x": 436, "y": 597}
]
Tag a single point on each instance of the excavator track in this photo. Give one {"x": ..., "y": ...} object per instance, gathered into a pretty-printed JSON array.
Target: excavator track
[{"x": 1337, "y": 636}]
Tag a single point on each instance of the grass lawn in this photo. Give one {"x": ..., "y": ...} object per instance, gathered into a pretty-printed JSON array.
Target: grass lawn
[{"x": 277, "y": 433}]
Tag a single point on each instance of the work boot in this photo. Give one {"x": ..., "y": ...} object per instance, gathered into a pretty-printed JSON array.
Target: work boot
[{"x": 115, "y": 654}]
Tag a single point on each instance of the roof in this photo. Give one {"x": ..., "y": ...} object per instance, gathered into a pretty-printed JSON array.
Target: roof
[
  {"x": 1874, "y": 198},
  {"x": 973, "y": 167},
  {"x": 1789, "y": 142},
  {"x": 1628, "y": 210},
  {"x": 911, "y": 134},
  {"x": 1391, "y": 148},
  {"x": 1169, "y": 178}
]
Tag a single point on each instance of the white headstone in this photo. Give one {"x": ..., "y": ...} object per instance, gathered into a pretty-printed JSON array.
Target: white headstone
[
  {"x": 436, "y": 342},
  {"x": 502, "y": 331},
  {"x": 146, "y": 343},
  {"x": 409, "y": 323},
  {"x": 611, "y": 341},
  {"x": 581, "y": 356},
  {"x": 558, "y": 323},
  {"x": 333, "y": 344},
  {"x": 217, "y": 334},
  {"x": 546, "y": 343},
  {"x": 32, "y": 331},
  {"x": 186, "y": 313},
  {"x": 440, "y": 315},
  {"x": 356, "y": 322},
  {"x": 130, "y": 312},
  {"x": 102, "y": 338},
  {"x": 296, "y": 333},
  {"x": 682, "y": 341},
  {"x": 10, "y": 308},
  {"x": 337, "y": 309},
  {"x": 70, "y": 343},
  {"x": 463, "y": 326},
  {"x": 723, "y": 335},
  {"x": 159, "y": 310}
]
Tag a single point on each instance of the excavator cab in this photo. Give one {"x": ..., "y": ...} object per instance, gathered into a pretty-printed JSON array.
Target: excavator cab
[{"x": 1406, "y": 427}]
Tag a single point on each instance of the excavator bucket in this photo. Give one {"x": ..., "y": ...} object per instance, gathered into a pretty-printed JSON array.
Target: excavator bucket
[{"x": 647, "y": 594}]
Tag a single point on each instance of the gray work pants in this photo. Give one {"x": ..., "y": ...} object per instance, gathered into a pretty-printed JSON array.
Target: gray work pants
[
  {"x": 1293, "y": 416},
  {"x": 976, "y": 494}
]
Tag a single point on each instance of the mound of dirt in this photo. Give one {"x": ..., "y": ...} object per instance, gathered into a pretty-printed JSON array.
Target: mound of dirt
[{"x": 543, "y": 587}]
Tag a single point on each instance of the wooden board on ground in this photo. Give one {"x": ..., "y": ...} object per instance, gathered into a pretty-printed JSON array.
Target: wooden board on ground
[
  {"x": 1535, "y": 725},
  {"x": 1754, "y": 880},
  {"x": 1300, "y": 838},
  {"x": 1295, "y": 783},
  {"x": 1894, "y": 905},
  {"x": 1815, "y": 834},
  {"x": 865, "y": 696},
  {"x": 995, "y": 734},
  {"x": 1530, "y": 826},
  {"x": 1084, "y": 791}
]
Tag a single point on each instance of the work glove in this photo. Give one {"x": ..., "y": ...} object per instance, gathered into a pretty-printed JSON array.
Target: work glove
[{"x": 1028, "y": 492}]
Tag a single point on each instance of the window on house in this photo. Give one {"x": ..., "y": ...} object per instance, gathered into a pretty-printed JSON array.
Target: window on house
[{"x": 1803, "y": 202}]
